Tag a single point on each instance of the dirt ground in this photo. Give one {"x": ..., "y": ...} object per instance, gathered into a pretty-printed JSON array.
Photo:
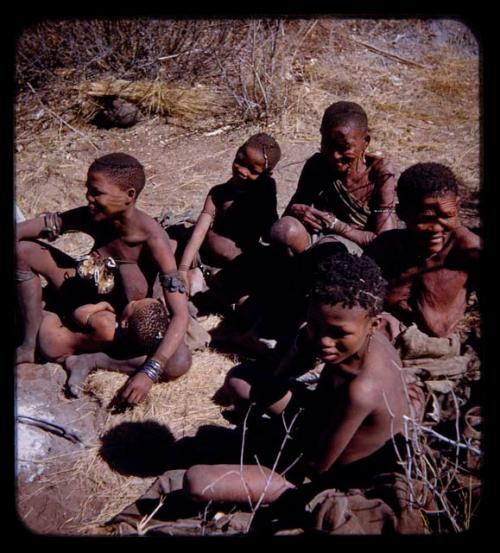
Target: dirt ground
[{"x": 417, "y": 112}]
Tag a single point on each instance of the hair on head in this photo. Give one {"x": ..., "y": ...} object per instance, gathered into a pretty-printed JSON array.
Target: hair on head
[
  {"x": 349, "y": 280},
  {"x": 125, "y": 171},
  {"x": 147, "y": 326},
  {"x": 343, "y": 113},
  {"x": 268, "y": 146},
  {"x": 426, "y": 179}
]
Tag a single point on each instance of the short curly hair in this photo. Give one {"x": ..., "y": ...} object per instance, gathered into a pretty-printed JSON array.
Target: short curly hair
[
  {"x": 147, "y": 326},
  {"x": 125, "y": 171},
  {"x": 268, "y": 146},
  {"x": 342, "y": 113},
  {"x": 426, "y": 179},
  {"x": 349, "y": 280}
]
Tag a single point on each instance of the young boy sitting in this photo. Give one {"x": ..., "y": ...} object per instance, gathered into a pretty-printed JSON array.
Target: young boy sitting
[
  {"x": 239, "y": 213},
  {"x": 130, "y": 247},
  {"x": 432, "y": 264},
  {"x": 109, "y": 342},
  {"x": 342, "y": 192},
  {"x": 353, "y": 417}
]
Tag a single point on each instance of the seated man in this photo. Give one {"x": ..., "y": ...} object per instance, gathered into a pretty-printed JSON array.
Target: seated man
[
  {"x": 344, "y": 193},
  {"x": 117, "y": 344},
  {"x": 431, "y": 265}
]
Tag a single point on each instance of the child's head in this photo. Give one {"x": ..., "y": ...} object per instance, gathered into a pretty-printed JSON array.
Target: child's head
[
  {"x": 257, "y": 156},
  {"x": 344, "y": 305},
  {"x": 344, "y": 135},
  {"x": 428, "y": 204},
  {"x": 114, "y": 182},
  {"x": 145, "y": 323}
]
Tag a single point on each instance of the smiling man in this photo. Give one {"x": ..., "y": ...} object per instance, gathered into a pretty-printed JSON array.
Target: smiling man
[
  {"x": 343, "y": 191},
  {"x": 431, "y": 266}
]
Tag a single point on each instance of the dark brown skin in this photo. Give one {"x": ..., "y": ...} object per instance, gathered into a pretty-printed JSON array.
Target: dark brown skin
[
  {"x": 343, "y": 148},
  {"x": 212, "y": 231},
  {"x": 120, "y": 230},
  {"x": 430, "y": 266},
  {"x": 360, "y": 403}
]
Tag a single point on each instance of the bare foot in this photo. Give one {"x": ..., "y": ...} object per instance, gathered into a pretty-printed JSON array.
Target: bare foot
[
  {"x": 25, "y": 354},
  {"x": 78, "y": 368}
]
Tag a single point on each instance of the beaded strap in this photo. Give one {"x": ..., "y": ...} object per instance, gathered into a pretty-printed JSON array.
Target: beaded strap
[{"x": 173, "y": 282}]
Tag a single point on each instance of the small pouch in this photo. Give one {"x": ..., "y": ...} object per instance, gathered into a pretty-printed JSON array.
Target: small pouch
[{"x": 100, "y": 270}]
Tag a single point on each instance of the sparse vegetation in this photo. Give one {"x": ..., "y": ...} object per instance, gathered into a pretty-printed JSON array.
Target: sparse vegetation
[{"x": 201, "y": 86}]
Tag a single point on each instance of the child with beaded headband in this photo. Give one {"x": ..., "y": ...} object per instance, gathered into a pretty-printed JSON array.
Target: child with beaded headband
[{"x": 236, "y": 215}]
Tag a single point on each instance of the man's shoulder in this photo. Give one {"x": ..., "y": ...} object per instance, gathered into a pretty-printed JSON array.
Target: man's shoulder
[
  {"x": 387, "y": 242},
  {"x": 466, "y": 239},
  {"x": 379, "y": 164}
]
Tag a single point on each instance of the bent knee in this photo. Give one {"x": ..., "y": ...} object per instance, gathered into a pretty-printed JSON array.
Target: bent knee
[
  {"x": 179, "y": 363},
  {"x": 195, "y": 483},
  {"x": 26, "y": 251}
]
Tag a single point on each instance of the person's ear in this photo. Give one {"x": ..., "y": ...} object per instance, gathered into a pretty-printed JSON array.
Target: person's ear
[
  {"x": 367, "y": 140},
  {"x": 376, "y": 322},
  {"x": 131, "y": 194}
]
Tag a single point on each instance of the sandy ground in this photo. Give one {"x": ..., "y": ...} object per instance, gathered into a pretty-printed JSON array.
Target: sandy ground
[{"x": 73, "y": 488}]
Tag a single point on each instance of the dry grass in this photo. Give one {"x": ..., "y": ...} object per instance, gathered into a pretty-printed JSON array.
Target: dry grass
[
  {"x": 293, "y": 70},
  {"x": 159, "y": 98}
]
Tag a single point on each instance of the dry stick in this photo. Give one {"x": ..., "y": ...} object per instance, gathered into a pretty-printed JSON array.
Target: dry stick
[
  {"x": 59, "y": 118},
  {"x": 141, "y": 525},
  {"x": 389, "y": 54},
  {"x": 273, "y": 469},
  {"x": 407, "y": 467},
  {"x": 445, "y": 439},
  {"x": 50, "y": 427}
]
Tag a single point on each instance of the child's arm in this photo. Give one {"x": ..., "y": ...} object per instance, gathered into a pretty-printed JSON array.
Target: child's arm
[
  {"x": 198, "y": 236},
  {"x": 346, "y": 418},
  {"x": 175, "y": 295},
  {"x": 82, "y": 315},
  {"x": 51, "y": 225}
]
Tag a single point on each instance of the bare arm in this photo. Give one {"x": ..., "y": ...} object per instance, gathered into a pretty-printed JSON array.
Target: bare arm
[
  {"x": 140, "y": 384},
  {"x": 346, "y": 418},
  {"x": 82, "y": 315},
  {"x": 383, "y": 216},
  {"x": 51, "y": 225},
  {"x": 198, "y": 236}
]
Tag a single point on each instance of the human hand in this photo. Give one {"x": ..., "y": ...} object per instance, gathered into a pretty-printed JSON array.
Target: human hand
[
  {"x": 136, "y": 389},
  {"x": 312, "y": 218}
]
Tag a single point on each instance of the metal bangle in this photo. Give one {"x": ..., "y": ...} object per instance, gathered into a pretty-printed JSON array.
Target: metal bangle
[
  {"x": 152, "y": 369},
  {"x": 333, "y": 222}
]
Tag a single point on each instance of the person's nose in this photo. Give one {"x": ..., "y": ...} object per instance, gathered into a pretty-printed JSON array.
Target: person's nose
[
  {"x": 327, "y": 342},
  {"x": 435, "y": 227},
  {"x": 242, "y": 171}
]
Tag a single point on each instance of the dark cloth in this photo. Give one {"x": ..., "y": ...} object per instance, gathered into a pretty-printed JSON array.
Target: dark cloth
[
  {"x": 246, "y": 213},
  {"x": 316, "y": 188},
  {"x": 359, "y": 474}
]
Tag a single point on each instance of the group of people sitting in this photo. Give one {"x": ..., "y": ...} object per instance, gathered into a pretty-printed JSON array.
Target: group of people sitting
[{"x": 356, "y": 259}]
